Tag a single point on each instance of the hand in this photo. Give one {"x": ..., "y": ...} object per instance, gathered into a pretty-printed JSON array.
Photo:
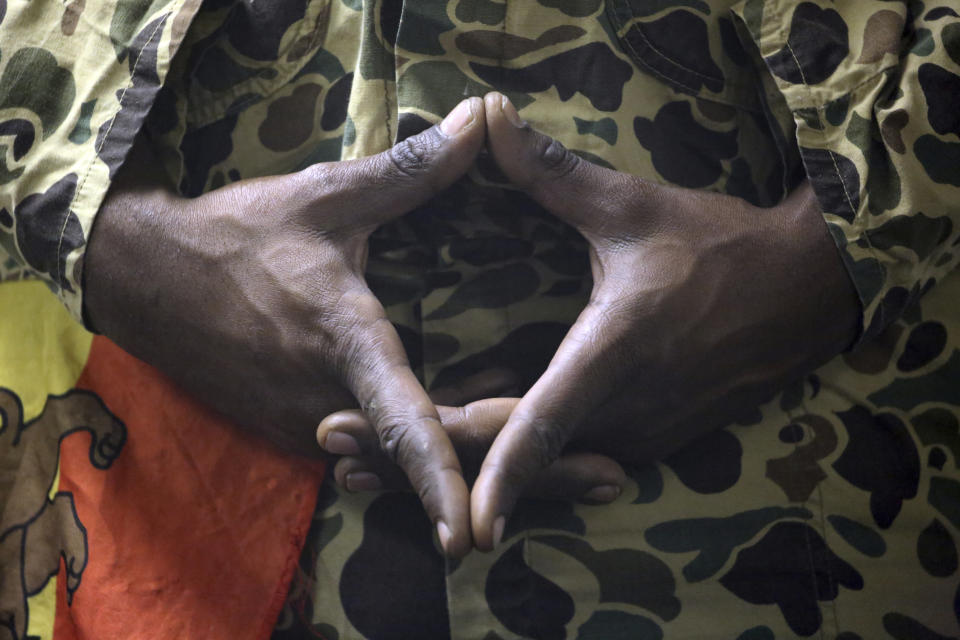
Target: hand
[
  {"x": 472, "y": 415},
  {"x": 702, "y": 304},
  {"x": 252, "y": 298}
]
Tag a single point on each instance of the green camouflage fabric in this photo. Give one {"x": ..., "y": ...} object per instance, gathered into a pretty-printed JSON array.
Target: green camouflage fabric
[
  {"x": 832, "y": 511},
  {"x": 77, "y": 80},
  {"x": 874, "y": 103}
]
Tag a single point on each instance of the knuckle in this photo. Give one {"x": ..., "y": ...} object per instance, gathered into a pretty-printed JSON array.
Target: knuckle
[
  {"x": 546, "y": 438},
  {"x": 394, "y": 436},
  {"x": 377, "y": 336},
  {"x": 556, "y": 159},
  {"x": 314, "y": 179},
  {"x": 319, "y": 174},
  {"x": 401, "y": 441},
  {"x": 409, "y": 158}
]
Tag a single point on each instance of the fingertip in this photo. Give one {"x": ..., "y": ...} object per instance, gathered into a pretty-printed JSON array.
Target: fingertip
[
  {"x": 412, "y": 436},
  {"x": 476, "y": 106},
  {"x": 586, "y": 477},
  {"x": 462, "y": 117},
  {"x": 338, "y": 432},
  {"x": 510, "y": 113},
  {"x": 605, "y": 470},
  {"x": 603, "y": 494},
  {"x": 454, "y": 545},
  {"x": 345, "y": 420},
  {"x": 340, "y": 444},
  {"x": 358, "y": 481},
  {"x": 488, "y": 518},
  {"x": 488, "y": 538},
  {"x": 492, "y": 102},
  {"x": 444, "y": 535},
  {"x": 451, "y": 503},
  {"x": 500, "y": 110}
]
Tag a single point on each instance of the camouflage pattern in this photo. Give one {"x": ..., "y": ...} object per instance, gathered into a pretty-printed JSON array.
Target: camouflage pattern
[
  {"x": 833, "y": 510},
  {"x": 873, "y": 88},
  {"x": 77, "y": 80}
]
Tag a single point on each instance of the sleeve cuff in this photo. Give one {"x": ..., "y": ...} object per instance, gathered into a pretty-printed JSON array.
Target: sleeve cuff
[{"x": 804, "y": 52}]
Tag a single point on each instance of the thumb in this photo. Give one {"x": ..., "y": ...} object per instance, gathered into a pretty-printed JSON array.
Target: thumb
[
  {"x": 579, "y": 192},
  {"x": 373, "y": 190}
]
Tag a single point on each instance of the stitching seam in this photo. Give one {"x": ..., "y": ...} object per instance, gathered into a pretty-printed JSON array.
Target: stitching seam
[
  {"x": 666, "y": 58},
  {"x": 846, "y": 193},
  {"x": 638, "y": 58},
  {"x": 850, "y": 203},
  {"x": 66, "y": 218}
]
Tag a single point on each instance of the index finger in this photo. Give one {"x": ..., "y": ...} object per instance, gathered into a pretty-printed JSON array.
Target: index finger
[
  {"x": 376, "y": 370},
  {"x": 572, "y": 387}
]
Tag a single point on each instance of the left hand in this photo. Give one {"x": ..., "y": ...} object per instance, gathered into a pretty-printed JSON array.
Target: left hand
[{"x": 702, "y": 305}]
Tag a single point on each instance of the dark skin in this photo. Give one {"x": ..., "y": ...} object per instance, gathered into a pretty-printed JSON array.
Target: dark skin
[
  {"x": 472, "y": 415},
  {"x": 252, "y": 298},
  {"x": 703, "y": 305}
]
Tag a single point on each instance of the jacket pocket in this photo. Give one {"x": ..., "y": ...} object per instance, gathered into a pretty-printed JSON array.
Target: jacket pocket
[{"x": 688, "y": 44}]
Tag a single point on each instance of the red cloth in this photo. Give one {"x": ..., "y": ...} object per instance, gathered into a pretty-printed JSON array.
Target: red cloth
[{"x": 195, "y": 529}]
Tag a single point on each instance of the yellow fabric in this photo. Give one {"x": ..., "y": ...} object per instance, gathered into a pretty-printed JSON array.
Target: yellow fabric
[{"x": 42, "y": 348}]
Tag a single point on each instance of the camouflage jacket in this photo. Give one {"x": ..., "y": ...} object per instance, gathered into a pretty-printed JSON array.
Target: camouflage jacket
[
  {"x": 862, "y": 93},
  {"x": 854, "y": 468}
]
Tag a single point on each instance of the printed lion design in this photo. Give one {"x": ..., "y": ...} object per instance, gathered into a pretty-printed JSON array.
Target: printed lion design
[{"x": 35, "y": 530}]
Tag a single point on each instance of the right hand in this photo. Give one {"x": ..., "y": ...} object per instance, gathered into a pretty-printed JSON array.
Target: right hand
[
  {"x": 702, "y": 306},
  {"x": 252, "y": 298}
]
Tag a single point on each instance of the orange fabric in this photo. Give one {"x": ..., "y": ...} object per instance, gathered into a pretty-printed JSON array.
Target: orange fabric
[{"x": 195, "y": 529}]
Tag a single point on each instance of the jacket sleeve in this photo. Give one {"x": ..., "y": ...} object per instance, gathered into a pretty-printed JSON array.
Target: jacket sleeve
[
  {"x": 77, "y": 80},
  {"x": 873, "y": 88}
]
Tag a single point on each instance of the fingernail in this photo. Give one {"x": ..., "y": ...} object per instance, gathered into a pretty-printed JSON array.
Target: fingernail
[
  {"x": 511, "y": 113},
  {"x": 443, "y": 532},
  {"x": 602, "y": 494},
  {"x": 341, "y": 444},
  {"x": 363, "y": 481},
  {"x": 457, "y": 119},
  {"x": 498, "y": 525}
]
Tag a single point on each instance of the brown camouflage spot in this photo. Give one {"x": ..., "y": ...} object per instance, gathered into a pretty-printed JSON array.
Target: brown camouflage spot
[
  {"x": 71, "y": 16},
  {"x": 506, "y": 46},
  {"x": 891, "y": 129},
  {"x": 799, "y": 473},
  {"x": 881, "y": 35},
  {"x": 289, "y": 120}
]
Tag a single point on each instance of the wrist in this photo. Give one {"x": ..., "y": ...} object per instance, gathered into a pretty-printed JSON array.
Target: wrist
[
  {"x": 777, "y": 301},
  {"x": 832, "y": 306},
  {"x": 126, "y": 248}
]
